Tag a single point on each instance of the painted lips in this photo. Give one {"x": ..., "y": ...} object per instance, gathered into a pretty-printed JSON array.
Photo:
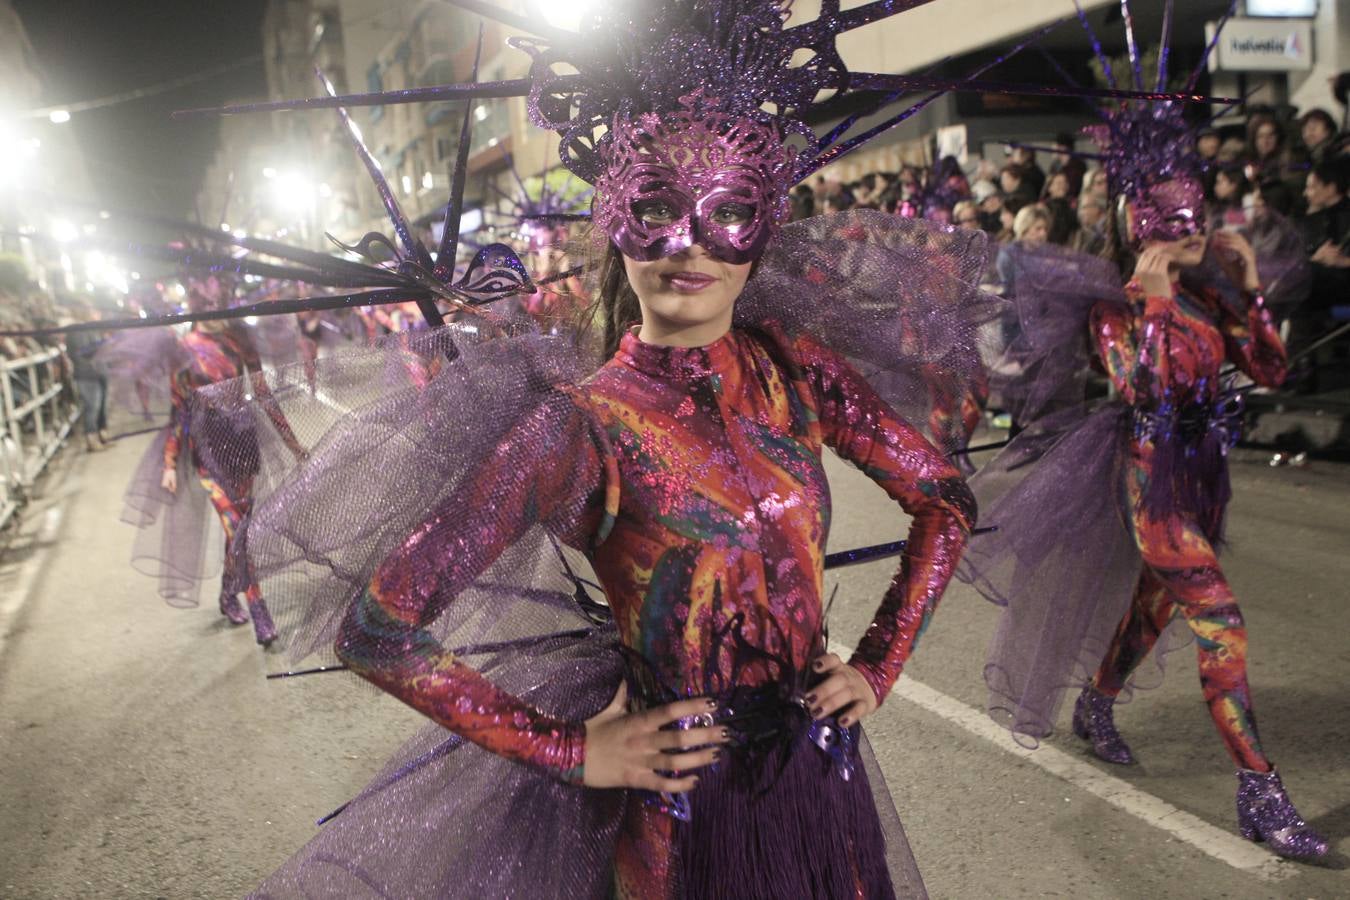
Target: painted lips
[{"x": 689, "y": 282}]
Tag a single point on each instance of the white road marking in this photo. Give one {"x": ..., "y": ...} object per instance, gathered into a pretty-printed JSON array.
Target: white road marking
[{"x": 1225, "y": 846}]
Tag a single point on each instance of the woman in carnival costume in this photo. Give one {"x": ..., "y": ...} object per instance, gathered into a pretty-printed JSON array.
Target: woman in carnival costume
[
  {"x": 693, "y": 737},
  {"x": 1139, "y": 485},
  {"x": 171, "y": 543}
]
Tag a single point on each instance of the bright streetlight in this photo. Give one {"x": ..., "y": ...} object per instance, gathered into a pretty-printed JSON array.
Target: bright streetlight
[
  {"x": 293, "y": 191},
  {"x": 59, "y": 116},
  {"x": 565, "y": 13},
  {"x": 64, "y": 232}
]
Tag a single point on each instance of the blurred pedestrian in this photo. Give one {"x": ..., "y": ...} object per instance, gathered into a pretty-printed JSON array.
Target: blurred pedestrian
[
  {"x": 90, "y": 385},
  {"x": 1066, "y": 163},
  {"x": 1090, "y": 238},
  {"x": 1227, "y": 209},
  {"x": 1318, "y": 131}
]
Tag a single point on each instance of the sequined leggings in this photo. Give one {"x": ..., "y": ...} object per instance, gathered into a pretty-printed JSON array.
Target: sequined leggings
[
  {"x": 1182, "y": 575},
  {"x": 231, "y": 513}
]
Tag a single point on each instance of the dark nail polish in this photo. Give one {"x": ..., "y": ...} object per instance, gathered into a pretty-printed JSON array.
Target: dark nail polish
[
  {"x": 717, "y": 754},
  {"x": 818, "y": 665},
  {"x": 811, "y": 698},
  {"x": 816, "y": 711},
  {"x": 711, "y": 704},
  {"x": 726, "y": 735}
]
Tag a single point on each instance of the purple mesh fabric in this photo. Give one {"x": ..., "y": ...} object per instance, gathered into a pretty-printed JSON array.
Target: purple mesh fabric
[
  {"x": 900, "y": 298},
  {"x": 138, "y": 363},
  {"x": 1281, "y": 262},
  {"x": 178, "y": 541},
  {"x": 445, "y": 818},
  {"x": 410, "y": 427},
  {"x": 1046, "y": 364},
  {"x": 1065, "y": 579}
]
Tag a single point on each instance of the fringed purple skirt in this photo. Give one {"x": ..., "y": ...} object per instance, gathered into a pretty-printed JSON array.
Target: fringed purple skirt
[{"x": 791, "y": 827}]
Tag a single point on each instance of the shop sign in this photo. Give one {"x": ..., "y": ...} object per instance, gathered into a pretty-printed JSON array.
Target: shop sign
[{"x": 1263, "y": 45}]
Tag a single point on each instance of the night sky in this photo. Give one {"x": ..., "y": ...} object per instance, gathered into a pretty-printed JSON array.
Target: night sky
[{"x": 138, "y": 158}]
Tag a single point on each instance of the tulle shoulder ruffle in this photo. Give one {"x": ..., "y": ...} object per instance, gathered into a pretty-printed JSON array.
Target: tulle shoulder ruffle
[{"x": 1046, "y": 360}]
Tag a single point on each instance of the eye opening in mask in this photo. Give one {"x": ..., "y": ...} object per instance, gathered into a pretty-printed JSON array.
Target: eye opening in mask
[
  {"x": 654, "y": 212},
  {"x": 730, "y": 215}
]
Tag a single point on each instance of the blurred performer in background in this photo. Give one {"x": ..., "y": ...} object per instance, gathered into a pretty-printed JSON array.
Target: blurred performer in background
[
  {"x": 1138, "y": 487},
  {"x": 212, "y": 352}
]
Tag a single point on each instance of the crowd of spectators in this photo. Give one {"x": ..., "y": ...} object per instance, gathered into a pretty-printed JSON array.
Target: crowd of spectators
[{"x": 1295, "y": 165}]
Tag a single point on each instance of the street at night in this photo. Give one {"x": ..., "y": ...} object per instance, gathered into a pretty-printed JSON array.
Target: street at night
[
  {"x": 675, "y": 449},
  {"x": 150, "y": 757}
]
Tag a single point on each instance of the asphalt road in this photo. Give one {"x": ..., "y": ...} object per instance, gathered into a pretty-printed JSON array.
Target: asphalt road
[{"x": 142, "y": 754}]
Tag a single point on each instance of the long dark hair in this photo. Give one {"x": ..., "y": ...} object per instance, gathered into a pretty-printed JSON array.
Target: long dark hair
[
  {"x": 614, "y": 308},
  {"x": 1115, "y": 249}
]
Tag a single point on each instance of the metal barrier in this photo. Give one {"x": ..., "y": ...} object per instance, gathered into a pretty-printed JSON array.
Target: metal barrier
[{"x": 36, "y": 415}]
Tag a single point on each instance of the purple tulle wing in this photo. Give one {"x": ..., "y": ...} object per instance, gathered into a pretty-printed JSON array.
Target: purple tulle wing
[
  {"x": 178, "y": 541},
  {"x": 900, "y": 298},
  {"x": 393, "y": 430},
  {"x": 1281, "y": 262},
  {"x": 139, "y": 364},
  {"x": 1044, "y": 367},
  {"x": 1063, "y": 564}
]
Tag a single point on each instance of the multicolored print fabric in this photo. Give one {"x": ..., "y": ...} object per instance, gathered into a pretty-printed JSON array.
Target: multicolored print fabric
[
  {"x": 709, "y": 505},
  {"x": 1166, "y": 353},
  {"x": 714, "y": 505}
]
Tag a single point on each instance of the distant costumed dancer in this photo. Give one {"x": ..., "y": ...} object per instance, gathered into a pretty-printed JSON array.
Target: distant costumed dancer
[
  {"x": 171, "y": 544},
  {"x": 1110, "y": 519}
]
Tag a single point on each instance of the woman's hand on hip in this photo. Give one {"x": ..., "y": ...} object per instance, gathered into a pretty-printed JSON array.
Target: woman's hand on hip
[
  {"x": 636, "y": 750},
  {"x": 844, "y": 692}
]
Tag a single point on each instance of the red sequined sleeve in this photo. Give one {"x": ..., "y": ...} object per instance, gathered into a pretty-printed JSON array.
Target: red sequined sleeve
[
  {"x": 1134, "y": 350},
  {"x": 865, "y": 431},
  {"x": 1253, "y": 343},
  {"x": 551, "y": 469},
  {"x": 180, "y": 394}
]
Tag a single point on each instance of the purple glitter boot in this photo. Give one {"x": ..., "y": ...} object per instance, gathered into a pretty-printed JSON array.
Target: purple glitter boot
[
  {"x": 263, "y": 630},
  {"x": 232, "y": 609},
  {"x": 1092, "y": 721},
  {"x": 1265, "y": 814}
]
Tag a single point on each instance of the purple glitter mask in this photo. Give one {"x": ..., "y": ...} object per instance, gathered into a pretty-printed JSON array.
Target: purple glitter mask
[
  {"x": 1150, "y": 159},
  {"x": 693, "y": 177},
  {"x": 1171, "y": 210}
]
